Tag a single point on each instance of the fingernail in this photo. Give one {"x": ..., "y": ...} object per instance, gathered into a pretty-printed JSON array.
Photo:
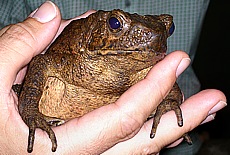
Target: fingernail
[
  {"x": 182, "y": 66},
  {"x": 217, "y": 107},
  {"x": 45, "y": 13},
  {"x": 209, "y": 118}
]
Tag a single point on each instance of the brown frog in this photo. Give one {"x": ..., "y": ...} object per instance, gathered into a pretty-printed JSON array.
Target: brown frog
[{"x": 91, "y": 64}]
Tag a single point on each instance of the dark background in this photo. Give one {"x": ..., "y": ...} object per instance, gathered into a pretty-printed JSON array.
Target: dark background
[{"x": 212, "y": 62}]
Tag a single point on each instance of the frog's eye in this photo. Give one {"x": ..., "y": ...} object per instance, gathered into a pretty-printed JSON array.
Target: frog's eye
[
  {"x": 114, "y": 23},
  {"x": 172, "y": 28}
]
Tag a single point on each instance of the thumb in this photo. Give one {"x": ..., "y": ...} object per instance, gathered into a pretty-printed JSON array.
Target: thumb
[{"x": 22, "y": 41}]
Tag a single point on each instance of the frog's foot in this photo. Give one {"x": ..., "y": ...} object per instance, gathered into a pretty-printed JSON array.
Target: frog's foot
[
  {"x": 38, "y": 121},
  {"x": 162, "y": 108},
  {"x": 53, "y": 121}
]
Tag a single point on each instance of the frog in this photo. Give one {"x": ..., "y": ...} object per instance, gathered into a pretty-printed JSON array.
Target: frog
[{"x": 91, "y": 64}]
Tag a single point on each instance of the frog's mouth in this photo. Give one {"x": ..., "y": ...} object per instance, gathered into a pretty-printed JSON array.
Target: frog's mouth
[
  {"x": 134, "y": 54},
  {"x": 125, "y": 52},
  {"x": 116, "y": 52}
]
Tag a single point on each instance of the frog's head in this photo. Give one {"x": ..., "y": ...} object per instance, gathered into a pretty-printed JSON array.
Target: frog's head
[
  {"x": 115, "y": 48},
  {"x": 120, "y": 33}
]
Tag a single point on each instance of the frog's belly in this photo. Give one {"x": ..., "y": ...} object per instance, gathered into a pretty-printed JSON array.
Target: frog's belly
[{"x": 67, "y": 101}]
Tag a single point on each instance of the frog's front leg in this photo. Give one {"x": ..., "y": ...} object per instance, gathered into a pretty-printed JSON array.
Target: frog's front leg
[{"x": 31, "y": 92}]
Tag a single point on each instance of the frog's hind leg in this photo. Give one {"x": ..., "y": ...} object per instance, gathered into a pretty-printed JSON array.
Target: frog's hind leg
[
  {"x": 35, "y": 119},
  {"x": 171, "y": 102},
  {"x": 164, "y": 107}
]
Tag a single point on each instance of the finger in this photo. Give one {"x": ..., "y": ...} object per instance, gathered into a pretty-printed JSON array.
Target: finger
[
  {"x": 122, "y": 120},
  {"x": 21, "y": 41},
  {"x": 210, "y": 117},
  {"x": 195, "y": 110},
  {"x": 157, "y": 84},
  {"x": 177, "y": 142}
]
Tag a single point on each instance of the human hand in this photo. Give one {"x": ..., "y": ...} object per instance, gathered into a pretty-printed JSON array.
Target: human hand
[{"x": 120, "y": 126}]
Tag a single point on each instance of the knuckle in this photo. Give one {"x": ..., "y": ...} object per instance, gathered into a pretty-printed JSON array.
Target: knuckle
[
  {"x": 129, "y": 126},
  {"x": 20, "y": 33},
  {"x": 18, "y": 39}
]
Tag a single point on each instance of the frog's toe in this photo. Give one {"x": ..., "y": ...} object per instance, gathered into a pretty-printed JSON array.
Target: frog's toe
[
  {"x": 187, "y": 138},
  {"x": 31, "y": 137},
  {"x": 156, "y": 121},
  {"x": 178, "y": 113},
  {"x": 53, "y": 121},
  {"x": 39, "y": 122}
]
